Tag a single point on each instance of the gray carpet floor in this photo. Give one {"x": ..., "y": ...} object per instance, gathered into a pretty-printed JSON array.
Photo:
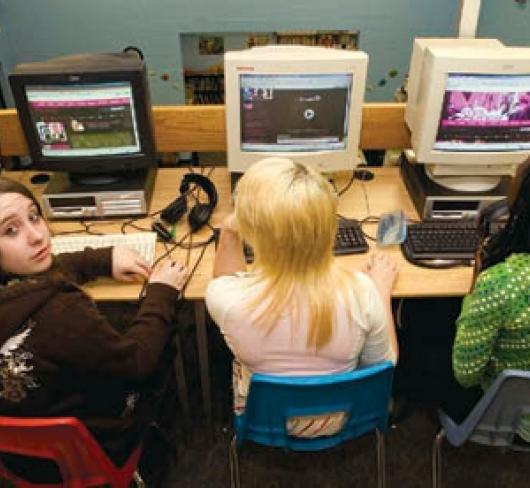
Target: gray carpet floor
[{"x": 201, "y": 458}]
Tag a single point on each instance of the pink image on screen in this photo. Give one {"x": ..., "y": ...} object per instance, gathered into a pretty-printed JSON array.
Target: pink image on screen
[{"x": 463, "y": 108}]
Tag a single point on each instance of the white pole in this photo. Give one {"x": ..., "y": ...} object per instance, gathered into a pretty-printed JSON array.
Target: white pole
[{"x": 469, "y": 13}]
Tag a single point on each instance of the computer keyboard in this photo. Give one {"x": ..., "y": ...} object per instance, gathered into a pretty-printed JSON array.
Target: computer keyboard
[
  {"x": 348, "y": 240},
  {"x": 442, "y": 239},
  {"x": 142, "y": 242}
]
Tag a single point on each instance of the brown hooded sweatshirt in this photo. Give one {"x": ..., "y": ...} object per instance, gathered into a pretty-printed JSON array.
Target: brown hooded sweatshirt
[{"x": 60, "y": 357}]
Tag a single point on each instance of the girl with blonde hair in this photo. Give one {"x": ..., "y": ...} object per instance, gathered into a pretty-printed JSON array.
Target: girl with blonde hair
[{"x": 298, "y": 311}]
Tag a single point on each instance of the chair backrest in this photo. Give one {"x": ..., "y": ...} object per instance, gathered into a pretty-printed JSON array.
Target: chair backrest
[
  {"x": 499, "y": 413},
  {"x": 363, "y": 394},
  {"x": 67, "y": 442}
]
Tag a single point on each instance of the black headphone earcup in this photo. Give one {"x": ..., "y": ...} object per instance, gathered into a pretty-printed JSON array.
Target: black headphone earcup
[
  {"x": 199, "y": 215},
  {"x": 202, "y": 182},
  {"x": 175, "y": 210}
]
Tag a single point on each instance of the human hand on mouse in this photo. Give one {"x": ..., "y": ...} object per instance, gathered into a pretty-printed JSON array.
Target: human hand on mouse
[{"x": 128, "y": 265}]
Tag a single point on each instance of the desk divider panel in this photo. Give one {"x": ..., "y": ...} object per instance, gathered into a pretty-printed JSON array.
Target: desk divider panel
[{"x": 202, "y": 128}]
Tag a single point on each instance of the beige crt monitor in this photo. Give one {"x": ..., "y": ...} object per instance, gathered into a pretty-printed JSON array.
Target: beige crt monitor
[
  {"x": 469, "y": 114},
  {"x": 417, "y": 63},
  {"x": 300, "y": 102}
]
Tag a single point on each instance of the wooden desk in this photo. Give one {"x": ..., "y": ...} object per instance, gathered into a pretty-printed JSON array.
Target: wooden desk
[{"x": 386, "y": 192}]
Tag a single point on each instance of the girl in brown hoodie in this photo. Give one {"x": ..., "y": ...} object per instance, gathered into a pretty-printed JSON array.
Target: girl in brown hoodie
[{"x": 58, "y": 355}]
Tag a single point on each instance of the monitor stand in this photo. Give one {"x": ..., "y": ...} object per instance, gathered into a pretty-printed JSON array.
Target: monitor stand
[
  {"x": 66, "y": 199},
  {"x": 433, "y": 201}
]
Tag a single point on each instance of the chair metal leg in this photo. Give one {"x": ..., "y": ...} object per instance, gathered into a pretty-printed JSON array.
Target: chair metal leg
[
  {"x": 381, "y": 459},
  {"x": 201, "y": 326},
  {"x": 138, "y": 480},
  {"x": 437, "y": 460},
  {"x": 234, "y": 464}
]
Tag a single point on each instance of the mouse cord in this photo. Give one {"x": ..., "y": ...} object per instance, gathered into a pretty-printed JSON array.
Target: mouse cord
[
  {"x": 343, "y": 190},
  {"x": 366, "y": 201}
]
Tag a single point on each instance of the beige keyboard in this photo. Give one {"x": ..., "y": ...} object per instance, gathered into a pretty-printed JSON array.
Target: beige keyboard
[{"x": 144, "y": 243}]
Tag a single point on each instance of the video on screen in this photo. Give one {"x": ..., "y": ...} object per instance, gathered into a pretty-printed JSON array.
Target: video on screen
[{"x": 294, "y": 112}]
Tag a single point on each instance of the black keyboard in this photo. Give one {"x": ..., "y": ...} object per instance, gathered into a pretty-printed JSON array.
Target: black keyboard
[
  {"x": 441, "y": 239},
  {"x": 348, "y": 240}
]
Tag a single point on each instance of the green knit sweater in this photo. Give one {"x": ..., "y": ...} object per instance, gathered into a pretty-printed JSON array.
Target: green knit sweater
[{"x": 493, "y": 330}]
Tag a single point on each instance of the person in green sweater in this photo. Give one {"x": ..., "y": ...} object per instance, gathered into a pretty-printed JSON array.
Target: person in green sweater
[{"x": 493, "y": 329}]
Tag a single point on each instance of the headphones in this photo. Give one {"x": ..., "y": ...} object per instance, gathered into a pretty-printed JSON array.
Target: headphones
[{"x": 200, "y": 213}]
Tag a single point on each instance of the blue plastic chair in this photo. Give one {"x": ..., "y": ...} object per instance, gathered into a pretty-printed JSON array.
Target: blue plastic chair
[
  {"x": 493, "y": 421},
  {"x": 363, "y": 394}
]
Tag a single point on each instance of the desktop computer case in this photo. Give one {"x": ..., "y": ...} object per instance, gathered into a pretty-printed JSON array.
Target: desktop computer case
[
  {"x": 433, "y": 201},
  {"x": 129, "y": 197}
]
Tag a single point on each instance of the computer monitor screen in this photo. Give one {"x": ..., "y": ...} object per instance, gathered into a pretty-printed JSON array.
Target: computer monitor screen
[
  {"x": 300, "y": 102},
  {"x": 86, "y": 114},
  {"x": 304, "y": 112},
  {"x": 469, "y": 110},
  {"x": 84, "y": 120},
  {"x": 485, "y": 113}
]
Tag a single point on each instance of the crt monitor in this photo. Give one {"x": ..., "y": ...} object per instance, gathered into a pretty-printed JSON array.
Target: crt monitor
[
  {"x": 415, "y": 78},
  {"x": 87, "y": 115},
  {"x": 300, "y": 102},
  {"x": 470, "y": 113}
]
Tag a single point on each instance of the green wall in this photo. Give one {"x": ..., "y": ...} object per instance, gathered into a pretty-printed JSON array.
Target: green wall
[{"x": 38, "y": 29}]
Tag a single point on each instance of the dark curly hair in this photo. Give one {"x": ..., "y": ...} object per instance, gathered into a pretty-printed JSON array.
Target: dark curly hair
[{"x": 515, "y": 236}]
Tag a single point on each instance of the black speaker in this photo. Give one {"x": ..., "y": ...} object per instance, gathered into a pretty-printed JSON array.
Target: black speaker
[{"x": 200, "y": 213}]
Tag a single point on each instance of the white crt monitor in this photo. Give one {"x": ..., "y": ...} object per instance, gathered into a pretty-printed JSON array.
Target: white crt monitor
[
  {"x": 417, "y": 60},
  {"x": 470, "y": 116},
  {"x": 300, "y": 102}
]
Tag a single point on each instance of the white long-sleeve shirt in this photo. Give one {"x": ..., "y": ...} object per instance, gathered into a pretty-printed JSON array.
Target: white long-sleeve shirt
[{"x": 360, "y": 335}]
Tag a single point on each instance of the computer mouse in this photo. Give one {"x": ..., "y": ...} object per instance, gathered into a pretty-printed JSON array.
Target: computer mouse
[
  {"x": 364, "y": 175},
  {"x": 40, "y": 178}
]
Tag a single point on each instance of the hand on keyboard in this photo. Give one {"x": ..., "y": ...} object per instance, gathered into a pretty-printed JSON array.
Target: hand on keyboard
[
  {"x": 170, "y": 273},
  {"x": 128, "y": 265}
]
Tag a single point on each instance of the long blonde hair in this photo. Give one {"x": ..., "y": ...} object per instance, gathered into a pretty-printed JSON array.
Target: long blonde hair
[{"x": 286, "y": 212}]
